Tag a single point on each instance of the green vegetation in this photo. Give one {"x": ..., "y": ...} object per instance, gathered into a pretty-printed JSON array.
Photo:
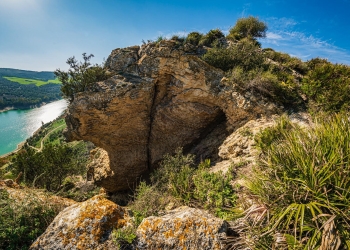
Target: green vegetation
[
  {"x": 124, "y": 236},
  {"x": 31, "y": 81},
  {"x": 48, "y": 162},
  {"x": 49, "y": 133},
  {"x": 327, "y": 85},
  {"x": 249, "y": 27},
  {"x": 175, "y": 183},
  {"x": 304, "y": 181},
  {"x": 194, "y": 38},
  {"x": 49, "y": 167},
  {"x": 23, "y": 96},
  {"x": 23, "y": 220},
  {"x": 212, "y": 39},
  {"x": 80, "y": 77},
  {"x": 178, "y": 181}
]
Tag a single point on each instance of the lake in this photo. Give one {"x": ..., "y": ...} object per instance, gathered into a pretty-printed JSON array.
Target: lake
[{"x": 18, "y": 125}]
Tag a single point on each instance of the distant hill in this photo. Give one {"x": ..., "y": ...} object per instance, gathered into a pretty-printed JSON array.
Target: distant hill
[
  {"x": 41, "y": 75},
  {"x": 24, "y": 89}
]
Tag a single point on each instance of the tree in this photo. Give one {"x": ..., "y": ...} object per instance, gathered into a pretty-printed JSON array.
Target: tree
[
  {"x": 80, "y": 76},
  {"x": 249, "y": 27}
]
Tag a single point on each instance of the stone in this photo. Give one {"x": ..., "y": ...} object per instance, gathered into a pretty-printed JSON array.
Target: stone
[
  {"x": 85, "y": 225},
  {"x": 182, "y": 228},
  {"x": 159, "y": 99}
]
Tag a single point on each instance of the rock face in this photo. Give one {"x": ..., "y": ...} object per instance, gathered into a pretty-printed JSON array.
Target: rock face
[
  {"x": 159, "y": 99},
  {"x": 182, "y": 228},
  {"x": 86, "y": 225}
]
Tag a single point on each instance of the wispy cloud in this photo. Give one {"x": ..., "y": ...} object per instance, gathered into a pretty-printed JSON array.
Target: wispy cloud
[{"x": 284, "y": 36}]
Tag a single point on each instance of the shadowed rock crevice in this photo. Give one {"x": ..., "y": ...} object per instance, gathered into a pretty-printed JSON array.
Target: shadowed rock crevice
[{"x": 209, "y": 141}]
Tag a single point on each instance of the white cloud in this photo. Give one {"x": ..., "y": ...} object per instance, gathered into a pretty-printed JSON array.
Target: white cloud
[
  {"x": 283, "y": 36},
  {"x": 273, "y": 36}
]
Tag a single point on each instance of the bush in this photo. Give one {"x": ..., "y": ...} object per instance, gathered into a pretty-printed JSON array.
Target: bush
[
  {"x": 286, "y": 62},
  {"x": 213, "y": 190},
  {"x": 48, "y": 168},
  {"x": 265, "y": 139},
  {"x": 245, "y": 54},
  {"x": 22, "y": 221},
  {"x": 193, "y": 38},
  {"x": 212, "y": 38},
  {"x": 80, "y": 77},
  {"x": 304, "y": 181},
  {"x": 327, "y": 86},
  {"x": 249, "y": 27},
  {"x": 124, "y": 237},
  {"x": 177, "y": 181},
  {"x": 221, "y": 58}
]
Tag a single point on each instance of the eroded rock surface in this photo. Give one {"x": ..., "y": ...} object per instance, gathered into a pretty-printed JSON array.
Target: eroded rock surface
[
  {"x": 85, "y": 225},
  {"x": 182, "y": 228},
  {"x": 161, "y": 98}
]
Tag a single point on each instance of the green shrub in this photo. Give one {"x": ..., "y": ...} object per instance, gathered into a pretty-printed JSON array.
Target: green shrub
[
  {"x": 170, "y": 165},
  {"x": 269, "y": 85},
  {"x": 178, "y": 39},
  {"x": 286, "y": 62},
  {"x": 245, "y": 54},
  {"x": 149, "y": 200},
  {"x": 193, "y": 38},
  {"x": 124, "y": 237},
  {"x": 49, "y": 168},
  {"x": 265, "y": 139},
  {"x": 304, "y": 181},
  {"x": 80, "y": 77},
  {"x": 177, "y": 181},
  {"x": 327, "y": 86},
  {"x": 212, "y": 38},
  {"x": 221, "y": 58},
  {"x": 22, "y": 221},
  {"x": 249, "y": 27},
  {"x": 213, "y": 190}
]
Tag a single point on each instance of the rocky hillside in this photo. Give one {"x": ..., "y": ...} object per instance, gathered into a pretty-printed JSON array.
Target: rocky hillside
[
  {"x": 159, "y": 99},
  {"x": 221, "y": 144}
]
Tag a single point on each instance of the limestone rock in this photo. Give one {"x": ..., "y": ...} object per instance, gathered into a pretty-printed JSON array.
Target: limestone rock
[
  {"x": 86, "y": 225},
  {"x": 99, "y": 168},
  {"x": 182, "y": 228},
  {"x": 161, "y": 98}
]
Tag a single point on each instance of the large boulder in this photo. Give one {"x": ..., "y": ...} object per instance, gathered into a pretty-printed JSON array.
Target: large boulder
[
  {"x": 182, "y": 228},
  {"x": 86, "y": 225},
  {"x": 159, "y": 99}
]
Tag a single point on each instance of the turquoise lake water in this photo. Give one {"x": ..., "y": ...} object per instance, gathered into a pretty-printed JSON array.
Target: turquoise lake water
[{"x": 18, "y": 125}]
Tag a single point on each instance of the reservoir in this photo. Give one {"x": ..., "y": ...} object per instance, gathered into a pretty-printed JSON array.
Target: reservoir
[{"x": 18, "y": 125}]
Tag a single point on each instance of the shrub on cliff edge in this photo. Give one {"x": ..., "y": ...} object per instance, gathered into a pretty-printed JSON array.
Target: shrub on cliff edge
[{"x": 80, "y": 76}]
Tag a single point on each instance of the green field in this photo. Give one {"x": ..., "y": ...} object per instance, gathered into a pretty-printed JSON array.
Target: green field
[{"x": 31, "y": 81}]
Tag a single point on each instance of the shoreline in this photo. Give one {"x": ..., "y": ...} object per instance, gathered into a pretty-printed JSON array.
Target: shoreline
[
  {"x": 7, "y": 109},
  {"x": 22, "y": 143},
  {"x": 30, "y": 107},
  {"x": 19, "y": 147}
]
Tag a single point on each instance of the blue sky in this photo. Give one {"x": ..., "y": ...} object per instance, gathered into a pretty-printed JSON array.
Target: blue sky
[{"x": 41, "y": 34}]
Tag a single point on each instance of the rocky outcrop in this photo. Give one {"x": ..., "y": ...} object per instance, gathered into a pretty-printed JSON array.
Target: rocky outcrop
[
  {"x": 160, "y": 98},
  {"x": 182, "y": 228},
  {"x": 86, "y": 225}
]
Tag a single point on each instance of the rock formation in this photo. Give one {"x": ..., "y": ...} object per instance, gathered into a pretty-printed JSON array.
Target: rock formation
[
  {"x": 85, "y": 225},
  {"x": 160, "y": 98},
  {"x": 182, "y": 228}
]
